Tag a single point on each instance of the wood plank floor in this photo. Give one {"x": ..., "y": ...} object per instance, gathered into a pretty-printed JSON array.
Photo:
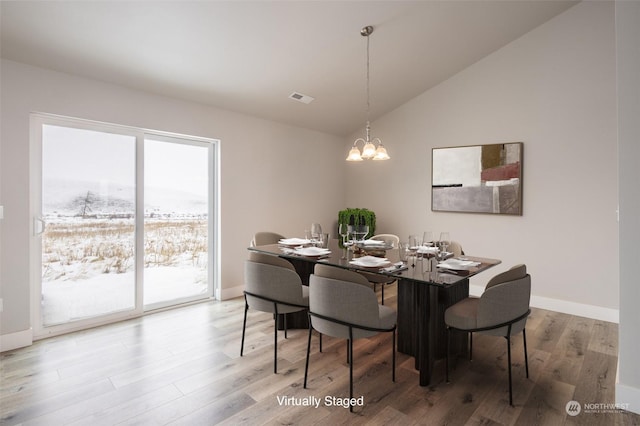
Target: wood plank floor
[{"x": 183, "y": 367}]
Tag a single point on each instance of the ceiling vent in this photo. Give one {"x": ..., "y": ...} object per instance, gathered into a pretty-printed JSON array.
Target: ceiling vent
[{"x": 301, "y": 98}]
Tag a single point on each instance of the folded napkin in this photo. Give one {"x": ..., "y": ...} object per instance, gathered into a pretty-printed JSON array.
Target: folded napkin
[
  {"x": 370, "y": 261},
  {"x": 312, "y": 251},
  {"x": 373, "y": 242},
  {"x": 294, "y": 241},
  {"x": 396, "y": 267},
  {"x": 427, "y": 249},
  {"x": 458, "y": 265}
]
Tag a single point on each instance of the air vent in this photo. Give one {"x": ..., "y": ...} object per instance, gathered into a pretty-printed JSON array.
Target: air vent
[{"x": 301, "y": 98}]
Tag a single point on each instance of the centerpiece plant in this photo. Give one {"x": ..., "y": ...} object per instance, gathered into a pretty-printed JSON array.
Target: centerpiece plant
[{"x": 350, "y": 216}]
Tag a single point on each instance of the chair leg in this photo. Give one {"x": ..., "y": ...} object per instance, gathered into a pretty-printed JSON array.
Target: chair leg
[
  {"x": 526, "y": 358},
  {"x": 448, "y": 354},
  {"x": 284, "y": 316},
  {"x": 306, "y": 365},
  {"x": 350, "y": 343},
  {"x": 382, "y": 286},
  {"x": 320, "y": 342},
  {"x": 393, "y": 357},
  {"x": 244, "y": 324},
  {"x": 275, "y": 345},
  {"x": 470, "y": 346},
  {"x": 509, "y": 360}
]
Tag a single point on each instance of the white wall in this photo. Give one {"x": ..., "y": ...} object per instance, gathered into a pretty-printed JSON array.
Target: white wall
[
  {"x": 555, "y": 90},
  {"x": 628, "y": 59},
  {"x": 273, "y": 176}
]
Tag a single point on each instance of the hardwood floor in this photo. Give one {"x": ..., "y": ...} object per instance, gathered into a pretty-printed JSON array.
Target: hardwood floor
[{"x": 183, "y": 367}]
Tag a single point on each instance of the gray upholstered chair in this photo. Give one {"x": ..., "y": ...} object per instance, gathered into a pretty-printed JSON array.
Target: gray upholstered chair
[
  {"x": 272, "y": 285},
  {"x": 455, "y": 248},
  {"x": 392, "y": 239},
  {"x": 332, "y": 272},
  {"x": 501, "y": 310},
  {"x": 383, "y": 280},
  {"x": 264, "y": 238},
  {"x": 348, "y": 310}
]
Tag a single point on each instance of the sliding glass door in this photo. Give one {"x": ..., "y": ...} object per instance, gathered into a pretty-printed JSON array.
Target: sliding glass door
[
  {"x": 123, "y": 222},
  {"x": 88, "y": 215},
  {"x": 176, "y": 220}
]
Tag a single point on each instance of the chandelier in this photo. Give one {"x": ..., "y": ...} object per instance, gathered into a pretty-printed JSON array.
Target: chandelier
[{"x": 369, "y": 149}]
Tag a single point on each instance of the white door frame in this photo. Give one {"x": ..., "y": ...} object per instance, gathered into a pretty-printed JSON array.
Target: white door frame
[{"x": 37, "y": 120}]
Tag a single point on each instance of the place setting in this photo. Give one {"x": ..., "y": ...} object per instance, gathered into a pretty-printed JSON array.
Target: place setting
[
  {"x": 458, "y": 266},
  {"x": 313, "y": 245},
  {"x": 379, "y": 263}
]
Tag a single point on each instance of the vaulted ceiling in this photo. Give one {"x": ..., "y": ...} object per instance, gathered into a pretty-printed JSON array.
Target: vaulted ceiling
[{"x": 250, "y": 56}]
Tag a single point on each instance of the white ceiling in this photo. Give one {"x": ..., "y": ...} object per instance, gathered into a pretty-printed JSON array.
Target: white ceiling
[{"x": 249, "y": 56}]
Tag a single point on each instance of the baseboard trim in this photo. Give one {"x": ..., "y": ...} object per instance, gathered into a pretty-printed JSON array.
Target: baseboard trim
[
  {"x": 628, "y": 398},
  {"x": 20, "y": 339},
  {"x": 231, "y": 293},
  {"x": 572, "y": 308}
]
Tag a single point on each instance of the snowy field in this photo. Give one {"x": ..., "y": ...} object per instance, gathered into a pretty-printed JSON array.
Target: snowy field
[{"x": 88, "y": 264}]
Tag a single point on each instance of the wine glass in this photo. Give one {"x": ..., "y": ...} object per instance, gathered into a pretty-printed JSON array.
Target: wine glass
[
  {"x": 343, "y": 230},
  {"x": 361, "y": 232},
  {"x": 427, "y": 238}
]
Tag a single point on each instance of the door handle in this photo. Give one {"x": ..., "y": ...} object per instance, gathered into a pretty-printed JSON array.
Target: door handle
[{"x": 39, "y": 226}]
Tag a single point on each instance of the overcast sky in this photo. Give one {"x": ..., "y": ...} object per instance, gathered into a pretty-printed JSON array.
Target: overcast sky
[{"x": 89, "y": 156}]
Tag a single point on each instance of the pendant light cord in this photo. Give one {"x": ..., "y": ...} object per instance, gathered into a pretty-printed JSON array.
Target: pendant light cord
[{"x": 368, "y": 84}]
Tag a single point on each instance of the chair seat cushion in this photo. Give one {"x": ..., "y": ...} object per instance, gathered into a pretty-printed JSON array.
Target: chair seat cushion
[
  {"x": 387, "y": 319},
  {"x": 388, "y": 316},
  {"x": 463, "y": 315}
]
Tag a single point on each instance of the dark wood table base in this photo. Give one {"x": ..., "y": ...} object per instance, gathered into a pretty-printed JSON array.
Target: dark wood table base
[{"x": 421, "y": 329}]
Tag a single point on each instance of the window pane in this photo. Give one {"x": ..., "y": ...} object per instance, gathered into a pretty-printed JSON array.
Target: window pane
[
  {"x": 88, "y": 205},
  {"x": 176, "y": 204}
]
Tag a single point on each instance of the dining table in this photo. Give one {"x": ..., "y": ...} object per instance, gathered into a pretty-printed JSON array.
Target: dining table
[{"x": 425, "y": 291}]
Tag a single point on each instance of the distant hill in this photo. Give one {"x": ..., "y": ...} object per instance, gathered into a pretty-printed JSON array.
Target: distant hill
[{"x": 73, "y": 198}]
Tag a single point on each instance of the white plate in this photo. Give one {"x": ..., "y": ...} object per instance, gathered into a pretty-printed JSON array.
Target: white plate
[
  {"x": 312, "y": 251},
  {"x": 458, "y": 265},
  {"x": 371, "y": 262},
  {"x": 294, "y": 241}
]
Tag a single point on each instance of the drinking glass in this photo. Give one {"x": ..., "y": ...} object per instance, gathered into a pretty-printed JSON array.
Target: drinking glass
[
  {"x": 323, "y": 240},
  {"x": 445, "y": 241},
  {"x": 403, "y": 251},
  {"x": 316, "y": 230},
  {"x": 343, "y": 230}
]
